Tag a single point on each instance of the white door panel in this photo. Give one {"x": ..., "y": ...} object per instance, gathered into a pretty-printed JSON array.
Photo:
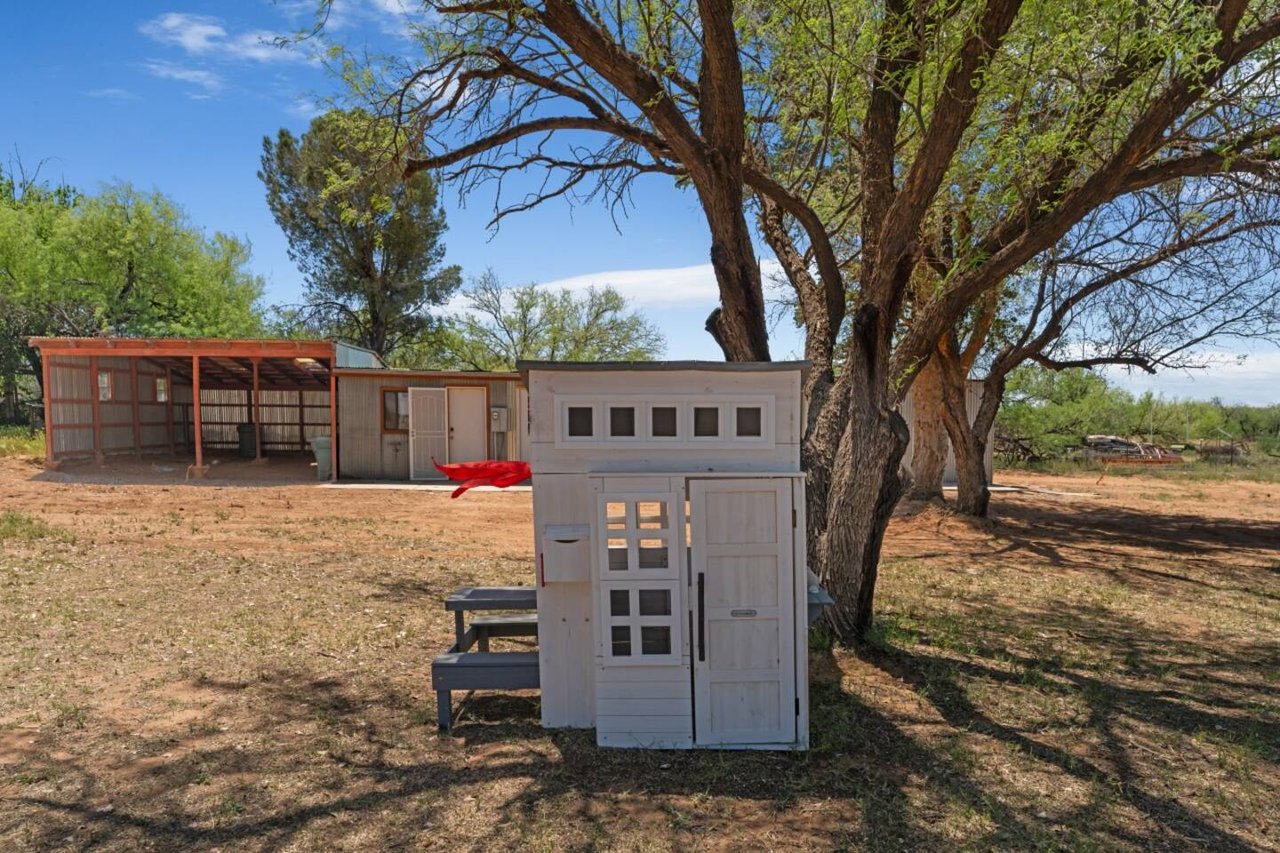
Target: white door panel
[
  {"x": 468, "y": 424},
  {"x": 742, "y": 569}
]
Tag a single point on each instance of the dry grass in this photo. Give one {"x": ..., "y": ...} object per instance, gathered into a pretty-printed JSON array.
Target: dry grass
[{"x": 248, "y": 668}]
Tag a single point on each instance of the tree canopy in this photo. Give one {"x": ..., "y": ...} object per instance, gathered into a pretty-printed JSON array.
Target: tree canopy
[
  {"x": 368, "y": 243},
  {"x": 504, "y": 325},
  {"x": 119, "y": 262},
  {"x": 901, "y": 159}
]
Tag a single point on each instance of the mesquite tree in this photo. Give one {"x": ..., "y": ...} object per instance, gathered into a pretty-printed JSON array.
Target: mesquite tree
[
  {"x": 1145, "y": 283},
  {"x": 879, "y": 143}
]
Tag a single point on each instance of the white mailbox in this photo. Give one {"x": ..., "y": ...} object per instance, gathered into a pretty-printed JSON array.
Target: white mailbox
[{"x": 672, "y": 584}]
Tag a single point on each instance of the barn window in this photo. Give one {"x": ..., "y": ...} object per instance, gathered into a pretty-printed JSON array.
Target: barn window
[
  {"x": 622, "y": 421},
  {"x": 581, "y": 422},
  {"x": 162, "y": 389},
  {"x": 395, "y": 410},
  {"x": 106, "y": 387},
  {"x": 706, "y": 421},
  {"x": 750, "y": 422}
]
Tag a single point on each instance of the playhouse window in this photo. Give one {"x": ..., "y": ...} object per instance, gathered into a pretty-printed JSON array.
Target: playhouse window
[
  {"x": 621, "y": 637},
  {"x": 654, "y": 602},
  {"x": 622, "y": 421},
  {"x": 706, "y": 421},
  {"x": 750, "y": 422},
  {"x": 620, "y": 602},
  {"x": 581, "y": 422},
  {"x": 655, "y": 640},
  {"x": 162, "y": 389},
  {"x": 663, "y": 421}
]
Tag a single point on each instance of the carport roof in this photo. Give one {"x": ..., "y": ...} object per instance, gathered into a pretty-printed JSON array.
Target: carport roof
[{"x": 224, "y": 363}]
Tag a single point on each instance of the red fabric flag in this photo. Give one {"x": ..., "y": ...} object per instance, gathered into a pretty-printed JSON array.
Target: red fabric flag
[{"x": 489, "y": 472}]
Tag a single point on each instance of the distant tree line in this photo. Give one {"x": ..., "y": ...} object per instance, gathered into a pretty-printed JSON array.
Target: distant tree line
[{"x": 1048, "y": 413}]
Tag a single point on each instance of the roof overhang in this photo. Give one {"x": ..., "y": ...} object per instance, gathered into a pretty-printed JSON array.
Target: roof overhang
[
  {"x": 282, "y": 364},
  {"x": 801, "y": 367}
]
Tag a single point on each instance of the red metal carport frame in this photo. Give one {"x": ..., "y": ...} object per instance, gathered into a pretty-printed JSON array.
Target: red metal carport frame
[{"x": 249, "y": 365}]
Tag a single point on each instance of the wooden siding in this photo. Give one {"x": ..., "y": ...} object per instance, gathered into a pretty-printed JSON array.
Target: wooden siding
[{"x": 366, "y": 453}]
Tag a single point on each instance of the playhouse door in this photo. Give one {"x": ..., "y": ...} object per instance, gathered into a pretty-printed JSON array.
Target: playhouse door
[
  {"x": 428, "y": 432},
  {"x": 743, "y": 601}
]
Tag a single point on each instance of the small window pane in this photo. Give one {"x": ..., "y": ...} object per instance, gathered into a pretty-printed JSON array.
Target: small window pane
[
  {"x": 620, "y": 602},
  {"x": 652, "y": 554},
  {"x": 655, "y": 602},
  {"x": 663, "y": 421},
  {"x": 750, "y": 422},
  {"x": 621, "y": 637},
  {"x": 104, "y": 386},
  {"x": 651, "y": 512},
  {"x": 162, "y": 389},
  {"x": 706, "y": 421},
  {"x": 580, "y": 422},
  {"x": 654, "y": 640},
  {"x": 622, "y": 421},
  {"x": 617, "y": 555}
]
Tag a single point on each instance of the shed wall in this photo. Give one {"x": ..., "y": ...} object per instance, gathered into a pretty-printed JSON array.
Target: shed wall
[{"x": 366, "y": 452}]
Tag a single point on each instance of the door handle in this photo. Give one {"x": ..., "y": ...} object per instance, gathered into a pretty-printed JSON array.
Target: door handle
[{"x": 702, "y": 617}]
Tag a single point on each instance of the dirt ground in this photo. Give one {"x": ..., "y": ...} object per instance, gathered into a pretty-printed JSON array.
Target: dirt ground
[{"x": 245, "y": 664}]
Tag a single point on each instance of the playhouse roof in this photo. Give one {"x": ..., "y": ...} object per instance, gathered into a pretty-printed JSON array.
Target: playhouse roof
[{"x": 714, "y": 366}]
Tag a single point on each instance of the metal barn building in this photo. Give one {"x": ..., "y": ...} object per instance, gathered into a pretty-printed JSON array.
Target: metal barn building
[{"x": 108, "y": 397}]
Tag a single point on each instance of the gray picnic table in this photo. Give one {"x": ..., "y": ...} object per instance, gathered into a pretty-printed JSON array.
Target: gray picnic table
[
  {"x": 474, "y": 598},
  {"x": 462, "y": 669}
]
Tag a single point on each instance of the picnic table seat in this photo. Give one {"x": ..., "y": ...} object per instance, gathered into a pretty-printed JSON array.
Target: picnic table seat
[{"x": 460, "y": 670}]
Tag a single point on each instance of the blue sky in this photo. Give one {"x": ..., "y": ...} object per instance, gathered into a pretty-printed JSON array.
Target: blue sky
[{"x": 177, "y": 97}]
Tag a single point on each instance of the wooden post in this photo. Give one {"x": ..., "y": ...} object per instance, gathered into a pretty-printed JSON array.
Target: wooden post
[
  {"x": 95, "y": 406},
  {"x": 137, "y": 407},
  {"x": 333, "y": 424},
  {"x": 257, "y": 415},
  {"x": 48, "y": 411},
  {"x": 199, "y": 468},
  {"x": 168, "y": 407}
]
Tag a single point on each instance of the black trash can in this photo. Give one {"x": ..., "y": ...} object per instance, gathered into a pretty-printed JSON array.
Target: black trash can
[{"x": 247, "y": 448}]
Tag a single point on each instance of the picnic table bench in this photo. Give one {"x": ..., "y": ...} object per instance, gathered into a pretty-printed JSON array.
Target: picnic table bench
[{"x": 462, "y": 669}]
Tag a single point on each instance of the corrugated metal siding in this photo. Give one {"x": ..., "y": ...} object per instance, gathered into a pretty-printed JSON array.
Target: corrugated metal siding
[
  {"x": 973, "y": 399},
  {"x": 69, "y": 380},
  {"x": 364, "y": 452},
  {"x": 222, "y": 410}
]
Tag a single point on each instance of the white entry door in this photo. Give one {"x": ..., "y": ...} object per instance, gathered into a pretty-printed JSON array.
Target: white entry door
[
  {"x": 428, "y": 432},
  {"x": 743, "y": 584},
  {"x": 468, "y": 425}
]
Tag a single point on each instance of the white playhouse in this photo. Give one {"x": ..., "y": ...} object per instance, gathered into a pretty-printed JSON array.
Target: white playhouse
[{"x": 671, "y": 580}]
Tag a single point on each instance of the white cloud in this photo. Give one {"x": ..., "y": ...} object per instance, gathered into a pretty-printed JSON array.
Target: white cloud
[
  {"x": 113, "y": 93},
  {"x": 208, "y": 81},
  {"x": 303, "y": 107},
  {"x": 205, "y": 35},
  {"x": 670, "y": 287},
  {"x": 1254, "y": 380}
]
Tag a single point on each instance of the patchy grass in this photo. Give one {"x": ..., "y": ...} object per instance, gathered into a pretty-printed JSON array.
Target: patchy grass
[
  {"x": 21, "y": 441},
  {"x": 1257, "y": 466},
  {"x": 245, "y": 668},
  {"x": 20, "y": 526}
]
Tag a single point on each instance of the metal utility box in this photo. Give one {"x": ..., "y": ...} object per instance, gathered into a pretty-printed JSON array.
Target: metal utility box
[
  {"x": 672, "y": 583},
  {"x": 498, "y": 419}
]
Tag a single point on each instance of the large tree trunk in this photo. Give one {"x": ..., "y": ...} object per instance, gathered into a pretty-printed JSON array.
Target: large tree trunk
[
  {"x": 968, "y": 432},
  {"x": 928, "y": 434},
  {"x": 853, "y": 456}
]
